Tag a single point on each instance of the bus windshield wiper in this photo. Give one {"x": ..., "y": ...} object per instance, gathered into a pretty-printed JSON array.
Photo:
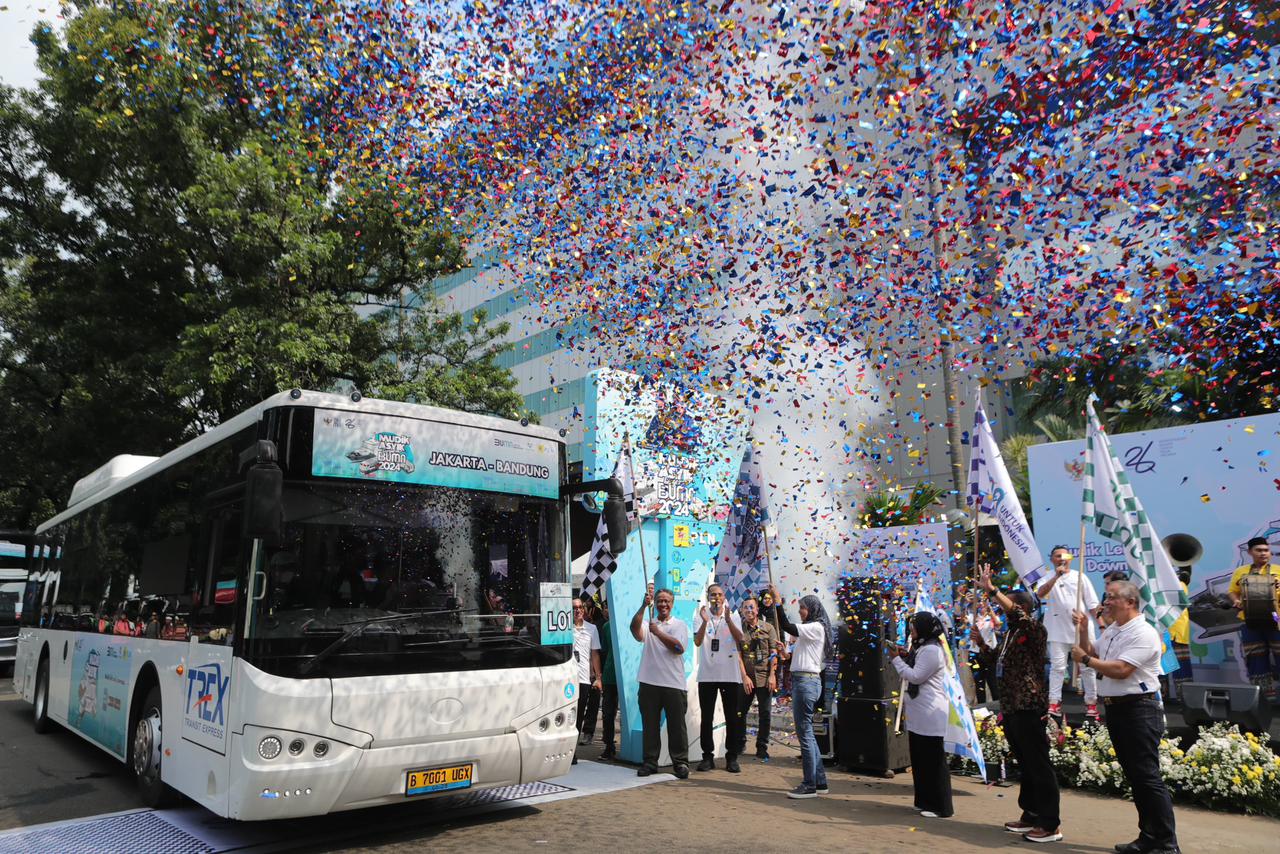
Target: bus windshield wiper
[{"x": 358, "y": 628}]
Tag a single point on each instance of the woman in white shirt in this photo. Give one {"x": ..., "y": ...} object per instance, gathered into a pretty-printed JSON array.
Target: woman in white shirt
[
  {"x": 808, "y": 660},
  {"x": 925, "y": 669}
]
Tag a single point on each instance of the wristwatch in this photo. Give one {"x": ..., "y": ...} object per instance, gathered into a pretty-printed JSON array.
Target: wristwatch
[{"x": 1085, "y": 659}]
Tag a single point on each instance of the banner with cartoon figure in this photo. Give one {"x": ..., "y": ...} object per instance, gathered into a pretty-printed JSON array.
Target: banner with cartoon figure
[
  {"x": 99, "y": 701},
  {"x": 386, "y": 448}
]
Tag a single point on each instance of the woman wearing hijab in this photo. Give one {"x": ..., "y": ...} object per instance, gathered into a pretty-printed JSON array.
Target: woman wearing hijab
[
  {"x": 808, "y": 659},
  {"x": 924, "y": 669}
]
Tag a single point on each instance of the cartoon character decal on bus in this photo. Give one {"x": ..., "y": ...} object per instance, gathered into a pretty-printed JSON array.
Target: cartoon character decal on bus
[{"x": 87, "y": 692}]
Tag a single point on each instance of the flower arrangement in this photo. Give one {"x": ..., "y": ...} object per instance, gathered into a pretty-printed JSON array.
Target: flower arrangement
[
  {"x": 1224, "y": 769},
  {"x": 995, "y": 748}
]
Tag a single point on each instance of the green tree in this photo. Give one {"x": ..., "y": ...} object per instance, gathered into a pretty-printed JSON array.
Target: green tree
[
  {"x": 169, "y": 257},
  {"x": 451, "y": 360}
]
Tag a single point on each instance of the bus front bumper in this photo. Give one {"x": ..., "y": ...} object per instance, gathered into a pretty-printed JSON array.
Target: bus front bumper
[{"x": 351, "y": 777}]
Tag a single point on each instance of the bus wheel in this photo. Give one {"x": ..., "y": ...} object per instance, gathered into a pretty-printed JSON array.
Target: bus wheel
[
  {"x": 146, "y": 752},
  {"x": 41, "y": 705}
]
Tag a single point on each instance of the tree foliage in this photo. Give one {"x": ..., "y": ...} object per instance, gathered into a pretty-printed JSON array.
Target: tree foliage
[
  {"x": 169, "y": 259},
  {"x": 450, "y": 360}
]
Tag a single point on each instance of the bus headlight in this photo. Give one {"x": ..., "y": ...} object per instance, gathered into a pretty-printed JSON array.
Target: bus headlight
[
  {"x": 559, "y": 719},
  {"x": 296, "y": 747},
  {"x": 544, "y": 725},
  {"x": 269, "y": 747},
  {"x": 321, "y": 749}
]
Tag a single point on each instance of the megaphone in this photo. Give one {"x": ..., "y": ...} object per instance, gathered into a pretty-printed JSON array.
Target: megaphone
[{"x": 1183, "y": 550}]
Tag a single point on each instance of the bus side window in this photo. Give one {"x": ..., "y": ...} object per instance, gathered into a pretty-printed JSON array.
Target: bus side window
[{"x": 215, "y": 617}]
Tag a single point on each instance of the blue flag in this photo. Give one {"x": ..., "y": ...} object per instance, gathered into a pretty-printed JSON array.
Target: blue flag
[
  {"x": 962, "y": 733},
  {"x": 741, "y": 563}
]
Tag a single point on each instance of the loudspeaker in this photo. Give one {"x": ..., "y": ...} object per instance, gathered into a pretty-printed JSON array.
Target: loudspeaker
[
  {"x": 867, "y": 619},
  {"x": 825, "y": 719},
  {"x": 1204, "y": 704},
  {"x": 865, "y": 740}
]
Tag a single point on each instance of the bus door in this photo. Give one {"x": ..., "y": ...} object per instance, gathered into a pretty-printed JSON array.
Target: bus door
[{"x": 206, "y": 687}]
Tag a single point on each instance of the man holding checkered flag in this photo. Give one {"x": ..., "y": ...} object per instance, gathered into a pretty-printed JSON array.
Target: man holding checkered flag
[{"x": 603, "y": 562}]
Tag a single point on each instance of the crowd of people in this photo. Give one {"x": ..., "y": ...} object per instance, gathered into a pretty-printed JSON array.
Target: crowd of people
[{"x": 1019, "y": 643}]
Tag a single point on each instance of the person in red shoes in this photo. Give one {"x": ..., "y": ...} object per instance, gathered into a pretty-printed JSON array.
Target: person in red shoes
[
  {"x": 1020, "y": 665},
  {"x": 1058, "y": 592}
]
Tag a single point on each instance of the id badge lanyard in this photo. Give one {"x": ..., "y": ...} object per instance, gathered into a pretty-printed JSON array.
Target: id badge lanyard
[{"x": 1008, "y": 638}]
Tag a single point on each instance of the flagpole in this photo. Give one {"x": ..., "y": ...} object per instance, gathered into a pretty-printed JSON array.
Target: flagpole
[
  {"x": 769, "y": 563},
  {"x": 902, "y": 690},
  {"x": 644, "y": 563}
]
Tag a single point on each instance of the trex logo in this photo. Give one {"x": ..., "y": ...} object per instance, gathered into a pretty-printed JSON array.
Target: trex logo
[{"x": 206, "y": 691}]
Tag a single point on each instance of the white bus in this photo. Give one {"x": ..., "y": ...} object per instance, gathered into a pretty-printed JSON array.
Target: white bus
[
  {"x": 13, "y": 578},
  {"x": 325, "y": 603}
]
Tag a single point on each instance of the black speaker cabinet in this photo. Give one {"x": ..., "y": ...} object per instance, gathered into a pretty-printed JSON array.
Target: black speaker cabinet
[
  {"x": 865, "y": 740},
  {"x": 866, "y": 620}
]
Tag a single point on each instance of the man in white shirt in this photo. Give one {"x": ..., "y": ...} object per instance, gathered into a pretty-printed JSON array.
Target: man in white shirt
[
  {"x": 1059, "y": 594},
  {"x": 663, "y": 688},
  {"x": 717, "y": 634},
  {"x": 1127, "y": 658},
  {"x": 586, "y": 654}
]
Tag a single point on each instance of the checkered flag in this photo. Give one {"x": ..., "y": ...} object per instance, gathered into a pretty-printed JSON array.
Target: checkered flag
[{"x": 602, "y": 562}]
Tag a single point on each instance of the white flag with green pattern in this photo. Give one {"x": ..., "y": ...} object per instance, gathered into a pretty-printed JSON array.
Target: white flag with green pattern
[{"x": 1111, "y": 505}]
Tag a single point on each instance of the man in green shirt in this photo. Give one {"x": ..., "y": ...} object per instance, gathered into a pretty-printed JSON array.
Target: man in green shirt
[{"x": 759, "y": 659}]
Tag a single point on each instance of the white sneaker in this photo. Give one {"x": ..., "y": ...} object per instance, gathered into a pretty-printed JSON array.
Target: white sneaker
[{"x": 927, "y": 814}]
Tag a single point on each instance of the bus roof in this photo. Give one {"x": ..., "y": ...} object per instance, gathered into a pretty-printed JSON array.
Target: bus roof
[{"x": 287, "y": 398}]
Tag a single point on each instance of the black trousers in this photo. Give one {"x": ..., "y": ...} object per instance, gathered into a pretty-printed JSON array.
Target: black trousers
[
  {"x": 654, "y": 701},
  {"x": 734, "y": 723},
  {"x": 588, "y": 707},
  {"x": 609, "y": 711},
  {"x": 1038, "y": 793},
  {"x": 1135, "y": 728},
  {"x": 984, "y": 676},
  {"x": 929, "y": 774},
  {"x": 765, "y": 696}
]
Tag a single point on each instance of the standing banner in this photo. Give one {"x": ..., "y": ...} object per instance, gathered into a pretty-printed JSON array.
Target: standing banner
[
  {"x": 991, "y": 491},
  {"x": 740, "y": 565},
  {"x": 1110, "y": 503}
]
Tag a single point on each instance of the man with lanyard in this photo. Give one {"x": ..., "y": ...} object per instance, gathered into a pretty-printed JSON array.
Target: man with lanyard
[
  {"x": 717, "y": 636},
  {"x": 586, "y": 654},
  {"x": 1259, "y": 639},
  {"x": 1127, "y": 658},
  {"x": 1059, "y": 594},
  {"x": 1020, "y": 666},
  {"x": 760, "y": 675},
  {"x": 663, "y": 688}
]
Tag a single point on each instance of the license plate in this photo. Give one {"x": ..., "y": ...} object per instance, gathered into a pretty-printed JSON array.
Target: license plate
[{"x": 437, "y": 779}]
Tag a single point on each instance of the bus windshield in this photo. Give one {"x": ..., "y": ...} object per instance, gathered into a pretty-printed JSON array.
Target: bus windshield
[
  {"x": 11, "y": 602},
  {"x": 383, "y": 579}
]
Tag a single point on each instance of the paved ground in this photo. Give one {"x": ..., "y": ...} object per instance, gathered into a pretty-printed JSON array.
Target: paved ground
[
  {"x": 58, "y": 776},
  {"x": 717, "y": 811},
  {"x": 54, "y": 776}
]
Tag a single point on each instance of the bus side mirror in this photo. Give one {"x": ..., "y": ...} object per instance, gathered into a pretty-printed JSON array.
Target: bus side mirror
[
  {"x": 615, "y": 521},
  {"x": 264, "y": 503}
]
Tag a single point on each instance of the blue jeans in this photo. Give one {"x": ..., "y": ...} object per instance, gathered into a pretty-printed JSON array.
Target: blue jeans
[{"x": 806, "y": 688}]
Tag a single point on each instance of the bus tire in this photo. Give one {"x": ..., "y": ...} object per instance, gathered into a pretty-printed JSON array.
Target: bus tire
[
  {"x": 145, "y": 751},
  {"x": 40, "y": 703}
]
